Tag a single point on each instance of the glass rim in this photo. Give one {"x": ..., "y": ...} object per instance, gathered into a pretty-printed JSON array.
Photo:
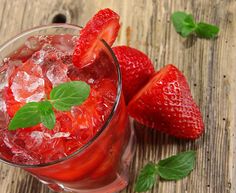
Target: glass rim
[{"x": 107, "y": 121}]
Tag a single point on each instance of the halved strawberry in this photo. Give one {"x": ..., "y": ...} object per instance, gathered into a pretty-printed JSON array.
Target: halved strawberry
[
  {"x": 166, "y": 104},
  {"x": 104, "y": 25},
  {"x": 136, "y": 69}
]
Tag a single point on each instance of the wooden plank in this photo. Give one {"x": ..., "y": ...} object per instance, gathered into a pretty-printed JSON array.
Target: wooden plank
[{"x": 208, "y": 65}]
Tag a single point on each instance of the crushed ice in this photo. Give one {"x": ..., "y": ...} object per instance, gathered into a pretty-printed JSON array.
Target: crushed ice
[
  {"x": 57, "y": 73},
  {"x": 27, "y": 88},
  {"x": 38, "y": 57},
  {"x": 33, "y": 43},
  {"x": 3, "y": 107},
  {"x": 39, "y": 136}
]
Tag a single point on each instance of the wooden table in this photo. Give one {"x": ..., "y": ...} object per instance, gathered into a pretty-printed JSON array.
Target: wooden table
[{"x": 209, "y": 65}]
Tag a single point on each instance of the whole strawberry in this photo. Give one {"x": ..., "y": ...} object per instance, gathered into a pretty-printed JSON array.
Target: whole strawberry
[
  {"x": 166, "y": 104},
  {"x": 136, "y": 69}
]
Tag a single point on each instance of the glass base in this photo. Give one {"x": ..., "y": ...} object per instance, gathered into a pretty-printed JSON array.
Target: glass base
[{"x": 122, "y": 179}]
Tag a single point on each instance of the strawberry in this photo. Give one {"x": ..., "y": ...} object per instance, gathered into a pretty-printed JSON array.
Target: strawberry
[
  {"x": 166, "y": 104},
  {"x": 104, "y": 25},
  {"x": 136, "y": 69}
]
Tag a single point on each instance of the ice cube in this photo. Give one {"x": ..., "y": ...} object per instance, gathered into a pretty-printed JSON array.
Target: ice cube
[
  {"x": 48, "y": 48},
  {"x": 4, "y": 118},
  {"x": 38, "y": 57},
  {"x": 25, "y": 158},
  {"x": 57, "y": 73},
  {"x": 56, "y": 135},
  {"x": 27, "y": 88},
  {"x": 63, "y": 43},
  {"x": 19, "y": 154},
  {"x": 33, "y": 43},
  {"x": 3, "y": 107},
  {"x": 91, "y": 81},
  {"x": 61, "y": 135},
  {"x": 37, "y": 137},
  {"x": 11, "y": 67}
]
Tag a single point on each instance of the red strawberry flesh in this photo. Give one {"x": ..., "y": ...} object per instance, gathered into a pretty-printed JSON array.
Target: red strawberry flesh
[
  {"x": 104, "y": 25},
  {"x": 166, "y": 104}
]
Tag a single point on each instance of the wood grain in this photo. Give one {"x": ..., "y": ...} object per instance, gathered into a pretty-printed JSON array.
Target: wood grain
[{"x": 209, "y": 66}]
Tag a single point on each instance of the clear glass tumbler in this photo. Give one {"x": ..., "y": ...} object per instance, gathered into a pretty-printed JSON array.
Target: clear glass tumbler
[{"x": 101, "y": 165}]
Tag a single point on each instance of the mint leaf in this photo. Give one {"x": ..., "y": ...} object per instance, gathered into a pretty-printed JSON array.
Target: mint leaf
[
  {"x": 62, "y": 97},
  {"x": 188, "y": 27},
  {"x": 178, "y": 166},
  {"x": 146, "y": 178},
  {"x": 186, "y": 31},
  {"x": 26, "y": 116},
  {"x": 189, "y": 21},
  {"x": 47, "y": 114},
  {"x": 32, "y": 114},
  {"x": 178, "y": 20},
  {"x": 185, "y": 25},
  {"x": 173, "y": 168},
  {"x": 69, "y": 94},
  {"x": 205, "y": 30}
]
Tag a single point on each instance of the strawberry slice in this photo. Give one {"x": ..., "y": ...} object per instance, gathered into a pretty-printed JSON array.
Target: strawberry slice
[
  {"x": 136, "y": 69},
  {"x": 166, "y": 104},
  {"x": 104, "y": 25}
]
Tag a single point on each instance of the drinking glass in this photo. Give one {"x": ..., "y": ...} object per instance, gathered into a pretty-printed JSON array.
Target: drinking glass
[{"x": 99, "y": 166}]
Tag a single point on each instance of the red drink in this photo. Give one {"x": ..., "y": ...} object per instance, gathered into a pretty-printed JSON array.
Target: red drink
[{"x": 90, "y": 146}]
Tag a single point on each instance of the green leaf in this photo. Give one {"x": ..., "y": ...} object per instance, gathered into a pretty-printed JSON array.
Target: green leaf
[
  {"x": 184, "y": 24},
  {"x": 26, "y": 116},
  {"x": 207, "y": 31},
  {"x": 189, "y": 20},
  {"x": 69, "y": 94},
  {"x": 146, "y": 178},
  {"x": 178, "y": 20},
  {"x": 178, "y": 166},
  {"x": 47, "y": 114},
  {"x": 187, "y": 31},
  {"x": 62, "y": 97},
  {"x": 188, "y": 27}
]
